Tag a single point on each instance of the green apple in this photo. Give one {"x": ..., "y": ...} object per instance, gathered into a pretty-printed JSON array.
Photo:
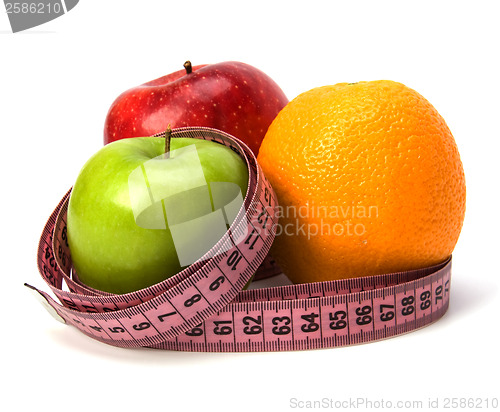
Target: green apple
[{"x": 137, "y": 216}]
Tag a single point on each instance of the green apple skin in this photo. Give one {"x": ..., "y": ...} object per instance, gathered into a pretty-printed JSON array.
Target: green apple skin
[{"x": 109, "y": 251}]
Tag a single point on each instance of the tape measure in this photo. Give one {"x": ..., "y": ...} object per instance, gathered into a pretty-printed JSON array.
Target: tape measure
[{"x": 204, "y": 307}]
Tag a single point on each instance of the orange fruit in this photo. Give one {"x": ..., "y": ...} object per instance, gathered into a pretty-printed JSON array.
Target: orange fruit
[{"x": 369, "y": 181}]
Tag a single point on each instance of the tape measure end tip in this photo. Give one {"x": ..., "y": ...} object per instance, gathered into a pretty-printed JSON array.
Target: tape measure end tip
[
  {"x": 29, "y": 286},
  {"x": 45, "y": 303}
]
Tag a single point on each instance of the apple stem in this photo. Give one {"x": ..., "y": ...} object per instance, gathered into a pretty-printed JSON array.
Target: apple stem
[
  {"x": 168, "y": 136},
  {"x": 188, "y": 67}
]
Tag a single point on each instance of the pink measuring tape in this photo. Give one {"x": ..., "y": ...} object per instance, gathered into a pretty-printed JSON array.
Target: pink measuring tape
[{"x": 204, "y": 307}]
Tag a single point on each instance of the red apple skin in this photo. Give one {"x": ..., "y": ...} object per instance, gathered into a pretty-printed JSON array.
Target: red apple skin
[{"x": 231, "y": 96}]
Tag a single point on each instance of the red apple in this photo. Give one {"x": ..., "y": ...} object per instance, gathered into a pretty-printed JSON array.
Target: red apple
[{"x": 230, "y": 96}]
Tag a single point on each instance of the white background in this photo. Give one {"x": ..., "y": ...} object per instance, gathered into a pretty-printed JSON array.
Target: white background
[{"x": 57, "y": 82}]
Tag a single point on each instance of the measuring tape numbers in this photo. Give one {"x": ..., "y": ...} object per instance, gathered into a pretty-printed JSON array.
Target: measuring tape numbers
[{"x": 204, "y": 307}]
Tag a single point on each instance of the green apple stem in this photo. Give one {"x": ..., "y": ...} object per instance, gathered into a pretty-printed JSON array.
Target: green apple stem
[
  {"x": 188, "y": 67},
  {"x": 168, "y": 136}
]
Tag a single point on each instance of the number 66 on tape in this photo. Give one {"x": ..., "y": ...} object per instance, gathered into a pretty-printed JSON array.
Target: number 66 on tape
[{"x": 204, "y": 307}]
